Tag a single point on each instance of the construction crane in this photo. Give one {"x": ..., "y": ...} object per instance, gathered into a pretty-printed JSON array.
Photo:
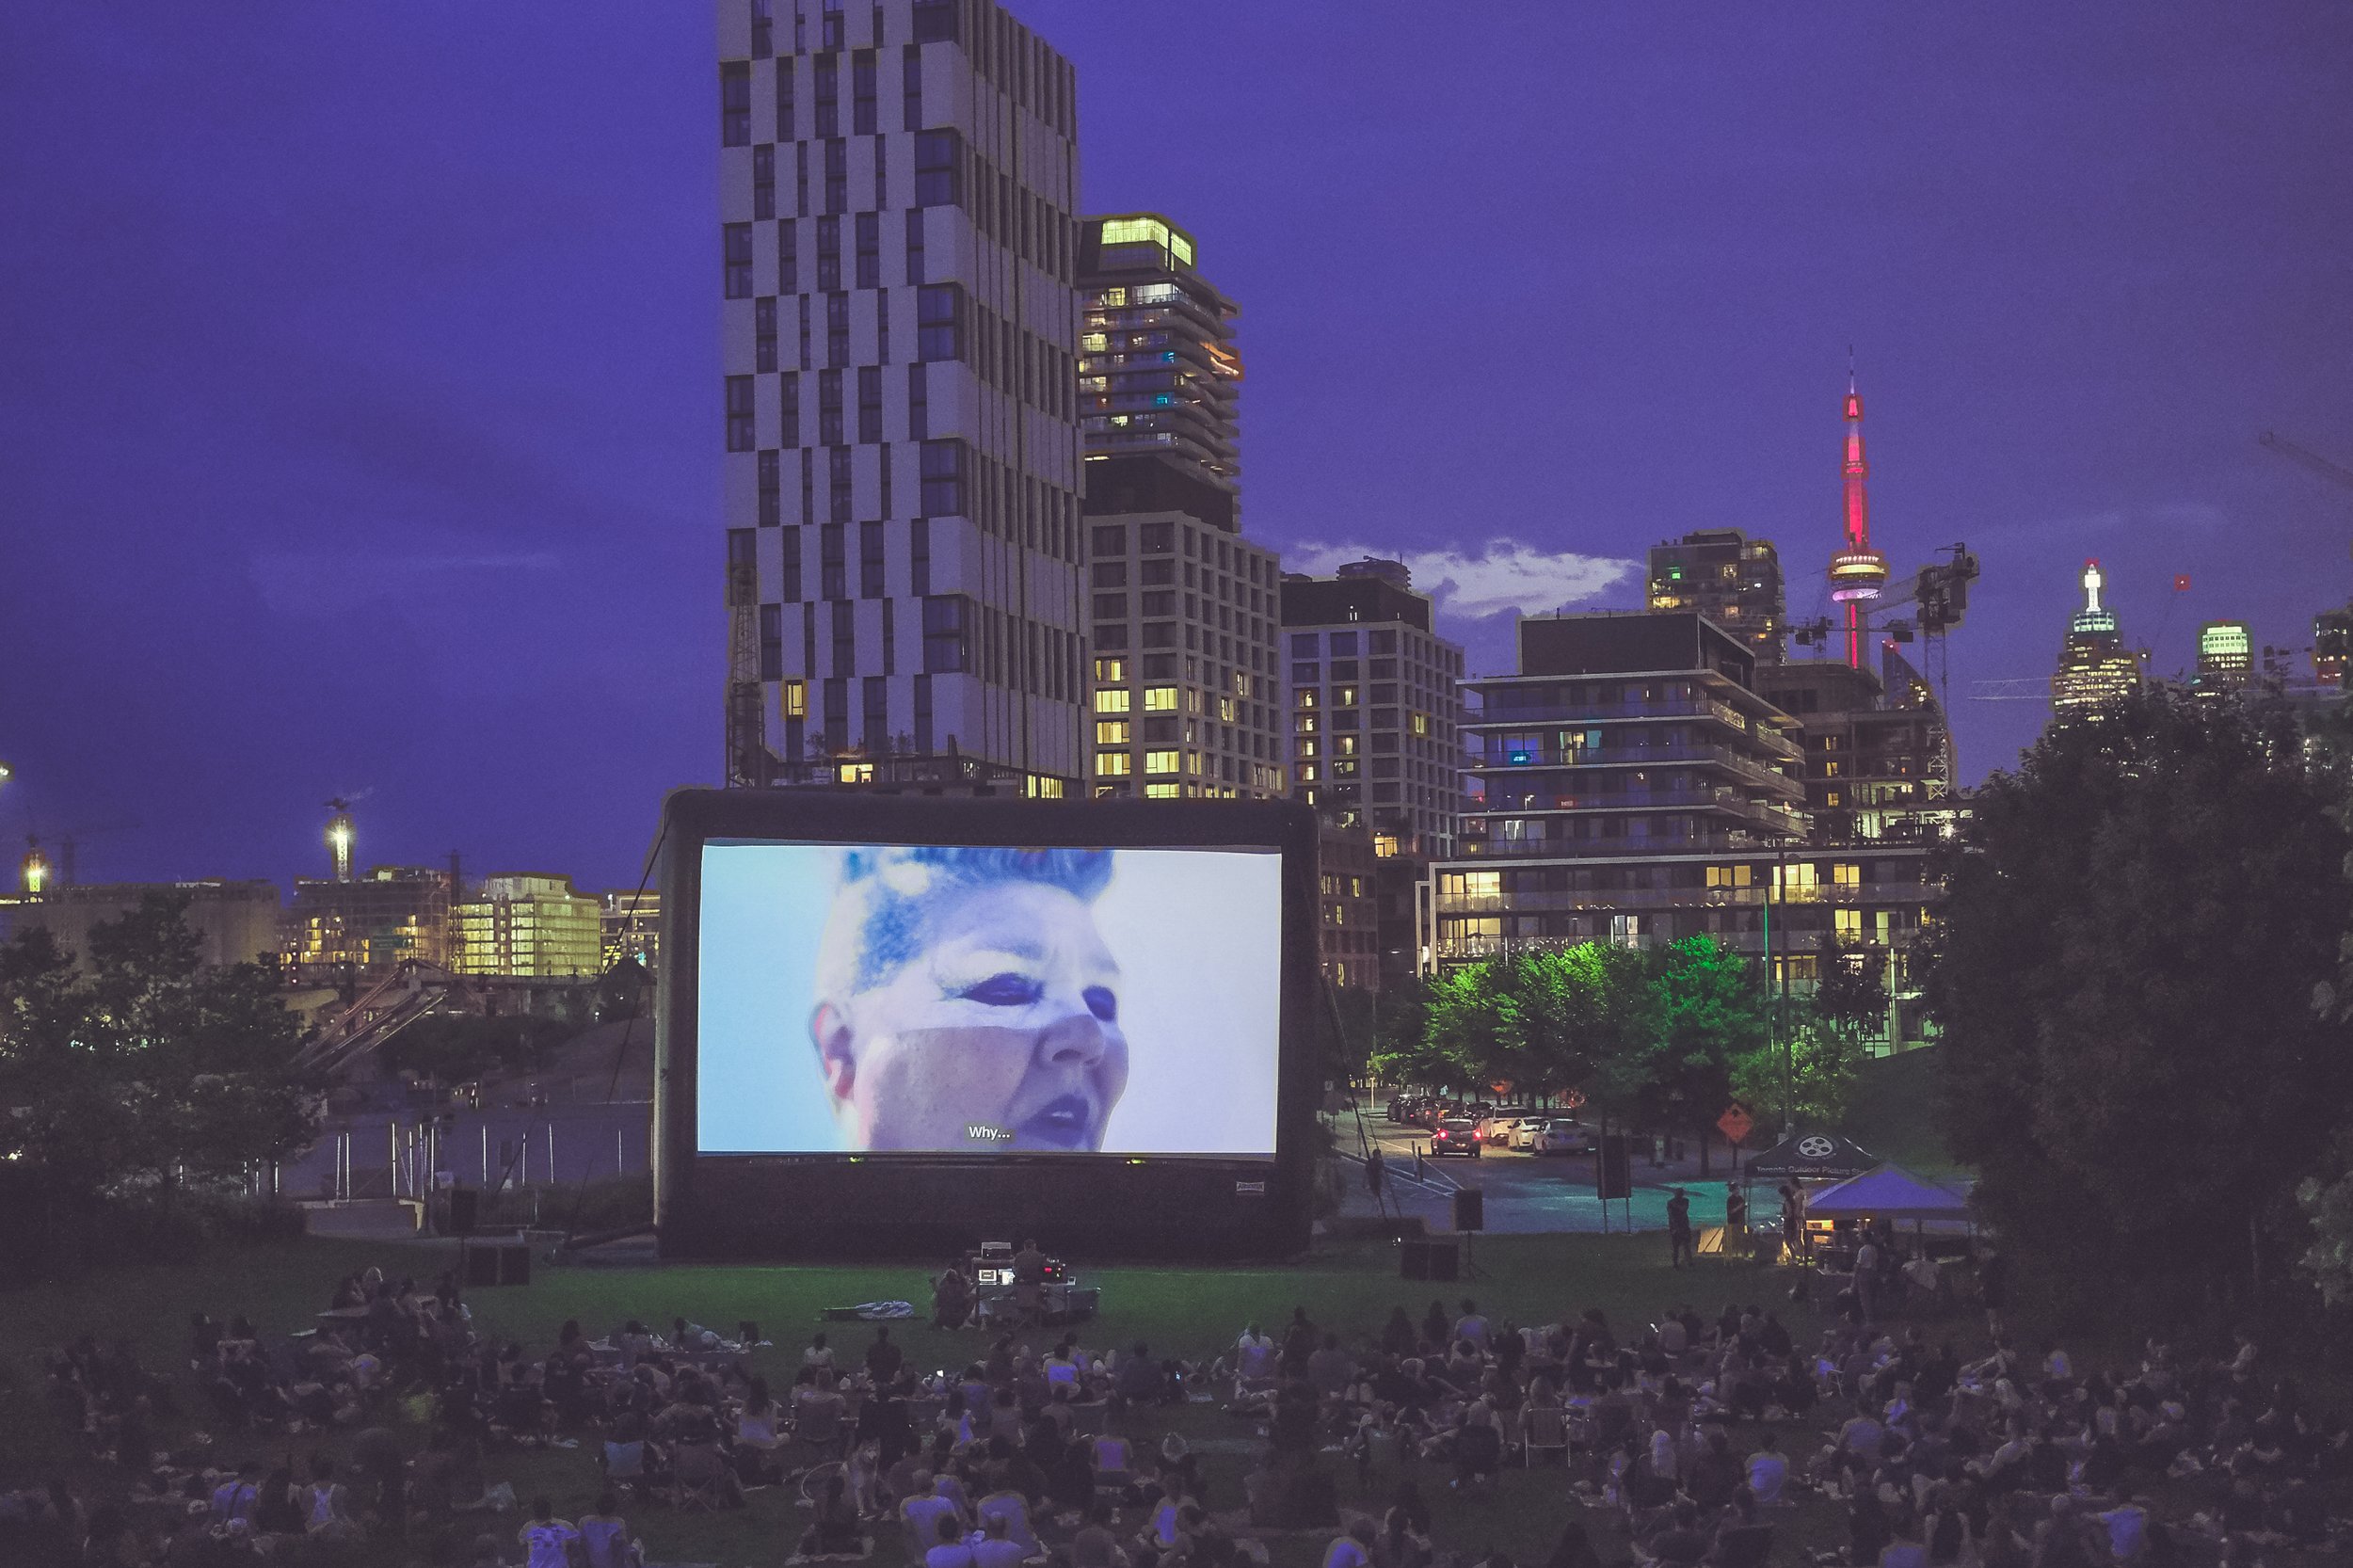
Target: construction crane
[{"x": 2311, "y": 460}]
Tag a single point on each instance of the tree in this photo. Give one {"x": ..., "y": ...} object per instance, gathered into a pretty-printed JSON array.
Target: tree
[
  {"x": 1819, "y": 1039},
  {"x": 1703, "y": 1016},
  {"x": 144, "y": 1068},
  {"x": 2134, "y": 926}
]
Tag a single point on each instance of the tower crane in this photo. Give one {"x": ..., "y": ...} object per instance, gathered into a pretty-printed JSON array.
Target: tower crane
[{"x": 2309, "y": 459}]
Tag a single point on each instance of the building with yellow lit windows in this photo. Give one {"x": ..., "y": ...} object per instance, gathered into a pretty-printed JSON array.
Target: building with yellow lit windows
[
  {"x": 1376, "y": 706},
  {"x": 532, "y": 927},
  {"x": 1637, "y": 782},
  {"x": 1186, "y": 693}
]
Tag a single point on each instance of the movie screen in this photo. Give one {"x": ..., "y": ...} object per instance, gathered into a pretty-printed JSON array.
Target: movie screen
[{"x": 936, "y": 999}]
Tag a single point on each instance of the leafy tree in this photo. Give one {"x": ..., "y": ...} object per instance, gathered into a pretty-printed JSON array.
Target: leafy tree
[
  {"x": 2136, "y": 924},
  {"x": 1703, "y": 1016},
  {"x": 1819, "y": 1040},
  {"x": 144, "y": 1068}
]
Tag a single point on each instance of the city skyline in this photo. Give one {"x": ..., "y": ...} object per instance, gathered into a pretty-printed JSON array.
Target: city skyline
[{"x": 407, "y": 484}]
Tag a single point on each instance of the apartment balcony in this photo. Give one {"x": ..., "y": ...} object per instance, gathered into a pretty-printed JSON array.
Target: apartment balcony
[
  {"x": 1651, "y": 847},
  {"x": 1503, "y": 763},
  {"x": 1470, "y": 950},
  {"x": 1833, "y": 895}
]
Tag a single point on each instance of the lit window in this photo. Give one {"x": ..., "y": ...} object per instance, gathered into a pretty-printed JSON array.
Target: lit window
[
  {"x": 1111, "y": 732},
  {"x": 1111, "y": 764},
  {"x": 794, "y": 699},
  {"x": 1112, "y": 671},
  {"x": 1848, "y": 923},
  {"x": 1421, "y": 724},
  {"x": 1159, "y": 791},
  {"x": 1112, "y": 699},
  {"x": 1157, "y": 700},
  {"x": 1160, "y": 761}
]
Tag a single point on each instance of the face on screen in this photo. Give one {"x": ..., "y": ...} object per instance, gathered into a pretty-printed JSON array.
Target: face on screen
[
  {"x": 945, "y": 998},
  {"x": 1000, "y": 1030}
]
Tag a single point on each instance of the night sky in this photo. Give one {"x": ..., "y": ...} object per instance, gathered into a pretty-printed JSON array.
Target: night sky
[{"x": 360, "y": 395}]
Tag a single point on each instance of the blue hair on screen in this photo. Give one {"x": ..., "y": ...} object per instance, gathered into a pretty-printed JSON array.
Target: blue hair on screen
[{"x": 892, "y": 927}]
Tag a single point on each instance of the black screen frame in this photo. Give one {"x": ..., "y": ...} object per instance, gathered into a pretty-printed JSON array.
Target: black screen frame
[{"x": 808, "y": 1207}]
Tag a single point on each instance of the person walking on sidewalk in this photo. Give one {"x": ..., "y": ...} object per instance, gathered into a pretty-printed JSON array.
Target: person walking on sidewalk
[{"x": 1678, "y": 1227}]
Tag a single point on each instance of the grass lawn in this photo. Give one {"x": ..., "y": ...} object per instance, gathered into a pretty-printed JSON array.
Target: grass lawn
[{"x": 1188, "y": 1312}]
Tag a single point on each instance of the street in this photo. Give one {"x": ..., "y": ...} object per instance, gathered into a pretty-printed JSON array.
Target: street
[{"x": 1526, "y": 1193}]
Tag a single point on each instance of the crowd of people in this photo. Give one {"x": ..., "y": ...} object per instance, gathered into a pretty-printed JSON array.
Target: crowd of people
[{"x": 1683, "y": 1443}]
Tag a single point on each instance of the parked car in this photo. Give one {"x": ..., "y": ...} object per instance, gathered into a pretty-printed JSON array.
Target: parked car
[
  {"x": 1560, "y": 1135},
  {"x": 1497, "y": 1130},
  {"x": 1524, "y": 1135},
  {"x": 1397, "y": 1108},
  {"x": 1455, "y": 1135}
]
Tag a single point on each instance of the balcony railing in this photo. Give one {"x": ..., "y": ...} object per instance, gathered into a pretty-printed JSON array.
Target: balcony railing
[
  {"x": 1837, "y": 895},
  {"x": 1464, "y": 950},
  {"x": 1497, "y": 759}
]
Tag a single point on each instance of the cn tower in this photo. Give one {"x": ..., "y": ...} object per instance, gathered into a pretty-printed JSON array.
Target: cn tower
[{"x": 1857, "y": 571}]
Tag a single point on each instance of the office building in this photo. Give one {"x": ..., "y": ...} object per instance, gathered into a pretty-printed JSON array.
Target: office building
[
  {"x": 1376, "y": 705},
  {"x": 1731, "y": 579},
  {"x": 1633, "y": 786},
  {"x": 2095, "y": 668},
  {"x": 531, "y": 927},
  {"x": 367, "y": 924},
  {"x": 2226, "y": 656},
  {"x": 235, "y": 923},
  {"x": 901, "y": 422},
  {"x": 631, "y": 925},
  {"x": 1183, "y": 610}
]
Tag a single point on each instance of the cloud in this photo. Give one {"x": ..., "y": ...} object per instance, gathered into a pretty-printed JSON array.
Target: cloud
[
  {"x": 333, "y": 582},
  {"x": 1503, "y": 574}
]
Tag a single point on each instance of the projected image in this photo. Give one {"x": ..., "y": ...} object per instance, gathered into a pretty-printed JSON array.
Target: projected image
[{"x": 992, "y": 1001}]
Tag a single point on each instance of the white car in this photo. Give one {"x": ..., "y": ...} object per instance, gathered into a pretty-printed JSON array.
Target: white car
[
  {"x": 1560, "y": 1135},
  {"x": 1497, "y": 1132}
]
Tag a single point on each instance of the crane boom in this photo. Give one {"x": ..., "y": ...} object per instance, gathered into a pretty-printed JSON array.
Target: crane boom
[{"x": 2311, "y": 460}]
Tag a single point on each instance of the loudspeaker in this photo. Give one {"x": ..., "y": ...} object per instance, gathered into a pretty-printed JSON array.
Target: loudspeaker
[
  {"x": 515, "y": 1264},
  {"x": 482, "y": 1266},
  {"x": 1470, "y": 1208},
  {"x": 465, "y": 1205},
  {"x": 1617, "y": 1179},
  {"x": 1428, "y": 1260}
]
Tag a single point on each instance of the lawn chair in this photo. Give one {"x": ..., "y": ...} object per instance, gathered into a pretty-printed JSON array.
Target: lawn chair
[
  {"x": 1544, "y": 1429},
  {"x": 698, "y": 1478},
  {"x": 1090, "y": 1419}
]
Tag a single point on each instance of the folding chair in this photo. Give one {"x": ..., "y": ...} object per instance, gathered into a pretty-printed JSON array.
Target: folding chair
[
  {"x": 1543, "y": 1428},
  {"x": 698, "y": 1478}
]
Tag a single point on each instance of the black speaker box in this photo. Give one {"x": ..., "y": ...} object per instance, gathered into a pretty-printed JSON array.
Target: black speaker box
[
  {"x": 1437, "y": 1260},
  {"x": 1616, "y": 1178},
  {"x": 482, "y": 1266},
  {"x": 465, "y": 1204},
  {"x": 1470, "y": 1208},
  {"x": 515, "y": 1264}
]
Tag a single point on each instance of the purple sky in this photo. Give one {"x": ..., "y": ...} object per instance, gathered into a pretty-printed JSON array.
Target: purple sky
[{"x": 359, "y": 386}]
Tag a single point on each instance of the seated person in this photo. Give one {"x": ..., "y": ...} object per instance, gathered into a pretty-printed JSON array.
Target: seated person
[
  {"x": 996, "y": 1548},
  {"x": 1767, "y": 1470}
]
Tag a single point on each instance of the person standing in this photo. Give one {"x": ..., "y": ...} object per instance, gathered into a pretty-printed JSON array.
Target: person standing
[
  {"x": 1373, "y": 1171},
  {"x": 1678, "y": 1227},
  {"x": 1792, "y": 1221},
  {"x": 1735, "y": 1221}
]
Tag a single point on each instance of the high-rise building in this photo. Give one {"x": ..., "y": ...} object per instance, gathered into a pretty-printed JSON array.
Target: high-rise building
[
  {"x": 367, "y": 923},
  {"x": 532, "y": 927},
  {"x": 1157, "y": 370},
  {"x": 2226, "y": 656},
  {"x": 1731, "y": 579},
  {"x": 2095, "y": 668},
  {"x": 1183, "y": 610},
  {"x": 1186, "y": 702},
  {"x": 897, "y": 184},
  {"x": 1376, "y": 706}
]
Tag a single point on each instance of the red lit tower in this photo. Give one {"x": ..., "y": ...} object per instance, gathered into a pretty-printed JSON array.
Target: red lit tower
[{"x": 1857, "y": 571}]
